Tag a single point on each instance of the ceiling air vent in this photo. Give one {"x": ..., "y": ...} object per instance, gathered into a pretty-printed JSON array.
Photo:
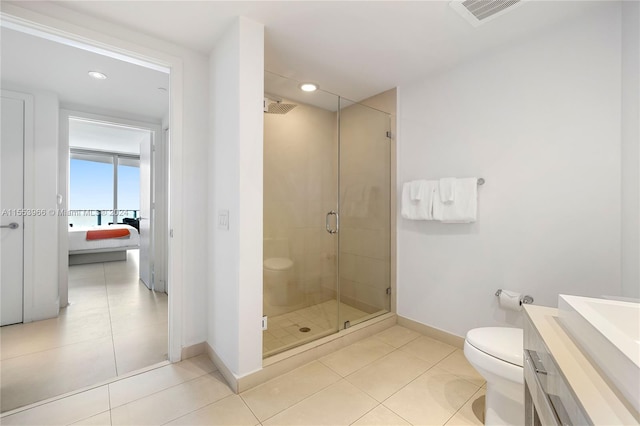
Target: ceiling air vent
[{"x": 480, "y": 11}]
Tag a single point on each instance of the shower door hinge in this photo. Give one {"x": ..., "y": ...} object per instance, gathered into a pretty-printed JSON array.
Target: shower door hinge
[
  {"x": 264, "y": 322},
  {"x": 389, "y": 135},
  {"x": 388, "y": 290}
]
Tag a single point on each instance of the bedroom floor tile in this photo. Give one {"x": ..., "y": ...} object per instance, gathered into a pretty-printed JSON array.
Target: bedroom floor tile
[
  {"x": 42, "y": 375},
  {"x": 112, "y": 326},
  {"x": 141, "y": 347}
]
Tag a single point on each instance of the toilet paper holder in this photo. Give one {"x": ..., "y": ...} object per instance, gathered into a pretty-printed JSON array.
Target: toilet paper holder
[{"x": 524, "y": 300}]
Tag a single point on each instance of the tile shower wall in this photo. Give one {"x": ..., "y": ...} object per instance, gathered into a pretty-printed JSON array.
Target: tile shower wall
[
  {"x": 300, "y": 187},
  {"x": 364, "y": 212}
]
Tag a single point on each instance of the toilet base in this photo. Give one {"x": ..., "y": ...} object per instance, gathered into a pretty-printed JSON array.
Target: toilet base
[{"x": 504, "y": 406}]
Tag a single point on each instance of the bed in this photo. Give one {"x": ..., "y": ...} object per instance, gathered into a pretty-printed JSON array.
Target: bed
[{"x": 103, "y": 248}]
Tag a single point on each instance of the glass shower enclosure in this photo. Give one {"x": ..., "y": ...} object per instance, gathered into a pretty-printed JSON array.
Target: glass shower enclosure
[{"x": 327, "y": 189}]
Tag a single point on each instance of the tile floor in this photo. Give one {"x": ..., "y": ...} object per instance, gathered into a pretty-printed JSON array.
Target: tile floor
[
  {"x": 113, "y": 325},
  {"x": 396, "y": 377},
  {"x": 284, "y": 330}
]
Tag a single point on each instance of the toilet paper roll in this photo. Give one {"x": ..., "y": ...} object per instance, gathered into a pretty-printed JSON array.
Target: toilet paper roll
[{"x": 510, "y": 300}]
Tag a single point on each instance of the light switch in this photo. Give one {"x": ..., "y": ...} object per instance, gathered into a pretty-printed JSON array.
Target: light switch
[{"x": 223, "y": 219}]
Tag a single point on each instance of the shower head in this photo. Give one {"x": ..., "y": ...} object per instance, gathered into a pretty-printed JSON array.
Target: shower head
[{"x": 275, "y": 106}]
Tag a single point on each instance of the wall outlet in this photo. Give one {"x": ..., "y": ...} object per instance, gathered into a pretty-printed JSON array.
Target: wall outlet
[
  {"x": 264, "y": 322},
  {"x": 223, "y": 219}
]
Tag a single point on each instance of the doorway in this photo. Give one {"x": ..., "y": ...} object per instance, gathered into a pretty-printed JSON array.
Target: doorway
[{"x": 84, "y": 343}]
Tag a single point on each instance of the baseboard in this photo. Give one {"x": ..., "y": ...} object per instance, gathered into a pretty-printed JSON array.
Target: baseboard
[
  {"x": 231, "y": 379},
  {"x": 193, "y": 350},
  {"x": 432, "y": 332}
]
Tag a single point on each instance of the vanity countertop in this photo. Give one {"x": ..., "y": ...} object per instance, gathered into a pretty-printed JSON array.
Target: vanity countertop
[{"x": 600, "y": 402}]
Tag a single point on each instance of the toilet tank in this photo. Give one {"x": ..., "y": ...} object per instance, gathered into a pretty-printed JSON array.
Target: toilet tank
[{"x": 276, "y": 247}]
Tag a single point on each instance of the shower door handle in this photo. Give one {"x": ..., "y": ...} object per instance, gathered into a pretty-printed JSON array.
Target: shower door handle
[{"x": 328, "y": 226}]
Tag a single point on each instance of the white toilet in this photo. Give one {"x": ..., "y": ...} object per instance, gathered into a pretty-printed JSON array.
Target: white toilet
[{"x": 496, "y": 352}]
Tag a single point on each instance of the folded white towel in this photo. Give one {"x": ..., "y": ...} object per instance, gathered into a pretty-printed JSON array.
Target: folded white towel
[
  {"x": 418, "y": 209},
  {"x": 447, "y": 187},
  {"x": 465, "y": 207},
  {"x": 416, "y": 189}
]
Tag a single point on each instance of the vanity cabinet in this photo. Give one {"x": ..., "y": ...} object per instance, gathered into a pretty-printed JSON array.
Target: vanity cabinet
[{"x": 562, "y": 386}]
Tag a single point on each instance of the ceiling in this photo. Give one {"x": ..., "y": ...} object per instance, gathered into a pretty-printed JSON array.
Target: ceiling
[
  {"x": 33, "y": 62},
  {"x": 97, "y": 136},
  {"x": 352, "y": 48}
]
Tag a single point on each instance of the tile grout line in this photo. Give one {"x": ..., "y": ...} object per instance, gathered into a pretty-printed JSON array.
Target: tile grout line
[
  {"x": 197, "y": 409},
  {"x": 459, "y": 376},
  {"x": 298, "y": 402},
  {"x": 429, "y": 369},
  {"x": 54, "y": 348},
  {"x": 246, "y": 405},
  {"x": 162, "y": 390},
  {"x": 360, "y": 368},
  {"x": 110, "y": 414},
  {"x": 113, "y": 343},
  {"x": 461, "y": 407},
  {"x": 356, "y": 420},
  {"x": 252, "y": 412}
]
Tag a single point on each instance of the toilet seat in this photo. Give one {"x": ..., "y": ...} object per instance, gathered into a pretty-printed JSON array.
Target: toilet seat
[
  {"x": 502, "y": 343},
  {"x": 278, "y": 264}
]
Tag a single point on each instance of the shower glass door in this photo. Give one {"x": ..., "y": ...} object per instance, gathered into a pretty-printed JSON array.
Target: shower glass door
[
  {"x": 300, "y": 285},
  {"x": 326, "y": 214},
  {"x": 365, "y": 213}
]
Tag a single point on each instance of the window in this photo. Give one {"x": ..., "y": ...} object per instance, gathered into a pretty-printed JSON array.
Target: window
[
  {"x": 101, "y": 193},
  {"x": 128, "y": 188}
]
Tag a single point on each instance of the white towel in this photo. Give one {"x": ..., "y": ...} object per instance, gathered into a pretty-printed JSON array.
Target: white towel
[
  {"x": 418, "y": 209},
  {"x": 447, "y": 187},
  {"x": 465, "y": 207},
  {"x": 416, "y": 189}
]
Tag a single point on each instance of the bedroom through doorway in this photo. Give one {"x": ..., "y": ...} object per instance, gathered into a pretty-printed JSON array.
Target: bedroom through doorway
[
  {"x": 116, "y": 216},
  {"x": 112, "y": 163}
]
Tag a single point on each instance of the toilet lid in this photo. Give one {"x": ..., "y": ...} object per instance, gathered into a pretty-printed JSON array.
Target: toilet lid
[
  {"x": 500, "y": 342},
  {"x": 278, "y": 263}
]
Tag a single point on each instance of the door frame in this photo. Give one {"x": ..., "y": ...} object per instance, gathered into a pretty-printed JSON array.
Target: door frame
[
  {"x": 157, "y": 140},
  {"x": 28, "y": 194},
  {"x": 39, "y": 25}
]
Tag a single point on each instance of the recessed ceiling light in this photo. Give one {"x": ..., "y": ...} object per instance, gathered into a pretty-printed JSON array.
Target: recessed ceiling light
[
  {"x": 308, "y": 87},
  {"x": 97, "y": 75}
]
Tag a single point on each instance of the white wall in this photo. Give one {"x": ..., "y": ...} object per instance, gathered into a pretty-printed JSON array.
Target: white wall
[
  {"x": 189, "y": 148},
  {"x": 235, "y": 182},
  {"x": 45, "y": 256},
  {"x": 631, "y": 149},
  {"x": 540, "y": 121}
]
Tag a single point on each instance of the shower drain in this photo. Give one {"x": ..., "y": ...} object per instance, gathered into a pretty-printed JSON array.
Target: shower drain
[{"x": 305, "y": 329}]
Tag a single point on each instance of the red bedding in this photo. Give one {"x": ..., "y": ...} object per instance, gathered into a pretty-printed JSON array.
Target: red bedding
[{"x": 103, "y": 234}]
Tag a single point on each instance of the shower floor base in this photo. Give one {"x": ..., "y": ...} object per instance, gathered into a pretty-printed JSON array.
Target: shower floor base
[{"x": 304, "y": 325}]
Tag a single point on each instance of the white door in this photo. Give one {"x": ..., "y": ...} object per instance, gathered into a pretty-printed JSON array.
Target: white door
[
  {"x": 146, "y": 212},
  {"x": 11, "y": 201}
]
